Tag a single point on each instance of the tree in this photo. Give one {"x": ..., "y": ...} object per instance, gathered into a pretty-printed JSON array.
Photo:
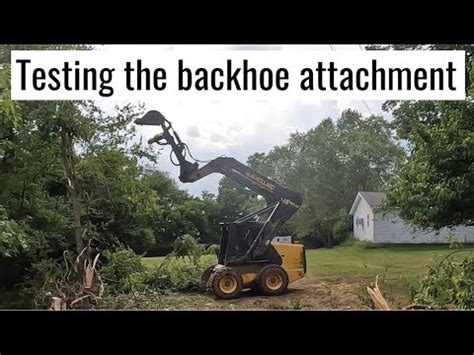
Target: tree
[
  {"x": 235, "y": 200},
  {"x": 343, "y": 226},
  {"x": 121, "y": 203},
  {"x": 40, "y": 153},
  {"x": 329, "y": 164},
  {"x": 71, "y": 173},
  {"x": 435, "y": 185}
]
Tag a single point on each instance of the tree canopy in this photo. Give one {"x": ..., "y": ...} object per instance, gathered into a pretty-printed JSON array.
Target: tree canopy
[
  {"x": 329, "y": 164},
  {"x": 435, "y": 185}
]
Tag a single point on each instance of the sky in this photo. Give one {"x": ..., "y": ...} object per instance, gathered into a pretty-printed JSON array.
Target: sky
[{"x": 236, "y": 128}]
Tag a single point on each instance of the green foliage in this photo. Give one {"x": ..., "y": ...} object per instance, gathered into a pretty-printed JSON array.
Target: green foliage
[
  {"x": 121, "y": 203},
  {"x": 234, "y": 201},
  {"x": 123, "y": 198},
  {"x": 123, "y": 271},
  {"x": 435, "y": 185},
  {"x": 342, "y": 227},
  {"x": 13, "y": 240},
  {"x": 40, "y": 282},
  {"x": 329, "y": 164},
  {"x": 177, "y": 275},
  {"x": 448, "y": 284},
  {"x": 9, "y": 115},
  {"x": 187, "y": 246},
  {"x": 134, "y": 300},
  {"x": 471, "y": 72},
  {"x": 180, "y": 271},
  {"x": 364, "y": 244},
  {"x": 350, "y": 241}
]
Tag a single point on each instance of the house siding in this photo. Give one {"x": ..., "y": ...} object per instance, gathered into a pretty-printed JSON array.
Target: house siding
[
  {"x": 390, "y": 228},
  {"x": 365, "y": 231}
]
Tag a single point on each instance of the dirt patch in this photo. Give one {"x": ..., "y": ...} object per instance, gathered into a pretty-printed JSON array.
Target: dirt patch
[{"x": 308, "y": 293}]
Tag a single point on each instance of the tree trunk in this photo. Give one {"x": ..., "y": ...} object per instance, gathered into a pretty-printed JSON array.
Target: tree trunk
[{"x": 68, "y": 158}]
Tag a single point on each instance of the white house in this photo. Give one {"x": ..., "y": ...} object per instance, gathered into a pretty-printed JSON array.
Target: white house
[{"x": 373, "y": 224}]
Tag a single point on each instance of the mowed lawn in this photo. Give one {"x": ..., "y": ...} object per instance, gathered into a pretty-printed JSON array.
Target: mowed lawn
[
  {"x": 399, "y": 267},
  {"x": 359, "y": 263}
]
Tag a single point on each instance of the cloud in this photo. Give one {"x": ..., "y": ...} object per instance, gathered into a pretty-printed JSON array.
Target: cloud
[
  {"x": 238, "y": 127},
  {"x": 213, "y": 129},
  {"x": 193, "y": 131}
]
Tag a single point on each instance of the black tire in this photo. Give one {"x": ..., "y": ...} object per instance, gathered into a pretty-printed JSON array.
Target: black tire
[
  {"x": 227, "y": 284},
  {"x": 206, "y": 274},
  {"x": 272, "y": 280}
]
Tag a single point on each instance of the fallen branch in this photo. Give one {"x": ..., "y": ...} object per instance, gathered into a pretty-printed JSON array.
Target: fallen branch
[
  {"x": 380, "y": 302},
  {"x": 377, "y": 296},
  {"x": 82, "y": 288}
]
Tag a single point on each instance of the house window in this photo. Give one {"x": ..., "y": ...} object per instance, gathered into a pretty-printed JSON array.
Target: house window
[
  {"x": 360, "y": 222},
  {"x": 368, "y": 220}
]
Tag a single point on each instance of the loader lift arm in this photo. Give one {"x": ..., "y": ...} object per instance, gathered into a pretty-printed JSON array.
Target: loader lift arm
[{"x": 248, "y": 239}]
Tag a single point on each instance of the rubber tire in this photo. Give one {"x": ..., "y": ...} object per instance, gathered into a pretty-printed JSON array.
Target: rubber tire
[
  {"x": 267, "y": 271},
  {"x": 217, "y": 276},
  {"x": 206, "y": 275}
]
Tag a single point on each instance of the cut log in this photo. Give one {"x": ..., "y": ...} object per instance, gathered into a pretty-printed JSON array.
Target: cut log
[
  {"x": 377, "y": 297},
  {"x": 58, "y": 304}
]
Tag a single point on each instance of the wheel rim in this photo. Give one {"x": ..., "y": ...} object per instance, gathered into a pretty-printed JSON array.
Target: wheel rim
[
  {"x": 228, "y": 284},
  {"x": 274, "y": 281}
]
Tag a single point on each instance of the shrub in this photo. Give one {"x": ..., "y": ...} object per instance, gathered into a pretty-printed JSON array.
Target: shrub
[
  {"x": 182, "y": 268},
  {"x": 187, "y": 246},
  {"x": 158, "y": 249},
  {"x": 13, "y": 240},
  {"x": 180, "y": 271},
  {"x": 449, "y": 283},
  {"x": 365, "y": 244},
  {"x": 342, "y": 227},
  {"x": 349, "y": 242},
  {"x": 123, "y": 271},
  {"x": 68, "y": 283},
  {"x": 40, "y": 282},
  {"x": 176, "y": 276}
]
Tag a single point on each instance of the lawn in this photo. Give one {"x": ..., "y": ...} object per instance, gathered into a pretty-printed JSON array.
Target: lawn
[
  {"x": 400, "y": 267},
  {"x": 359, "y": 262},
  {"x": 354, "y": 262}
]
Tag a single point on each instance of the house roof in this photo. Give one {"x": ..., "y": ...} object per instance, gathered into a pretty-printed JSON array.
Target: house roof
[{"x": 373, "y": 198}]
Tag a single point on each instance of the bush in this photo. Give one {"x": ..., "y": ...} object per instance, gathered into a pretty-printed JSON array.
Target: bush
[
  {"x": 40, "y": 282},
  {"x": 13, "y": 240},
  {"x": 187, "y": 246},
  {"x": 176, "y": 276},
  {"x": 350, "y": 241},
  {"x": 158, "y": 249},
  {"x": 182, "y": 269},
  {"x": 361, "y": 244},
  {"x": 123, "y": 271},
  {"x": 449, "y": 283},
  {"x": 365, "y": 244},
  {"x": 70, "y": 283},
  {"x": 342, "y": 227}
]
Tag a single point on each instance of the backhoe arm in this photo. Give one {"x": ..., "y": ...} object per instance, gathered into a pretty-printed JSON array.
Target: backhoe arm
[{"x": 281, "y": 202}]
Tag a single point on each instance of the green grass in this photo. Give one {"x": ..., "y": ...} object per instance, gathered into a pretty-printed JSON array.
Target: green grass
[
  {"x": 399, "y": 267},
  {"x": 355, "y": 262}
]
